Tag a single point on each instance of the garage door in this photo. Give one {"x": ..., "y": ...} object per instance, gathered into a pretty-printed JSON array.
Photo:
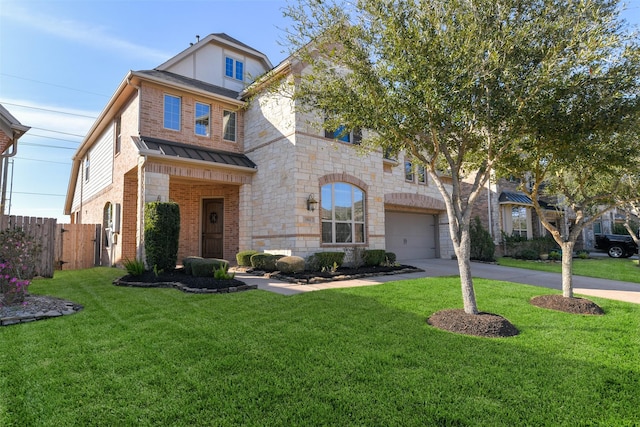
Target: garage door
[{"x": 410, "y": 235}]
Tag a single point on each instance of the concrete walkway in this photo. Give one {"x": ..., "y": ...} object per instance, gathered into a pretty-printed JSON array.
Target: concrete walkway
[{"x": 611, "y": 289}]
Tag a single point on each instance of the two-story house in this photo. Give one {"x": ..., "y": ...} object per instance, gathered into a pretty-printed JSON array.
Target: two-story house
[{"x": 247, "y": 169}]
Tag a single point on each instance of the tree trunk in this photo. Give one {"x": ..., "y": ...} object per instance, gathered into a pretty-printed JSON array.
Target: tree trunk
[
  {"x": 567, "y": 267},
  {"x": 463, "y": 252}
]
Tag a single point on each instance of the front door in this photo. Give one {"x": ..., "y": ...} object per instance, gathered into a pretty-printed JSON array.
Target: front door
[{"x": 212, "y": 228}]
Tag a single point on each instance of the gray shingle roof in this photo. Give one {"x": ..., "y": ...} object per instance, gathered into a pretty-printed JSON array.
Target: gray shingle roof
[
  {"x": 192, "y": 152},
  {"x": 186, "y": 81}
]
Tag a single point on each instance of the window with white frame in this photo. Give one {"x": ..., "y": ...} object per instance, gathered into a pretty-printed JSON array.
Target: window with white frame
[
  {"x": 408, "y": 171},
  {"x": 343, "y": 134},
  {"x": 202, "y": 119},
  {"x": 86, "y": 168},
  {"x": 519, "y": 221},
  {"x": 422, "y": 174},
  {"x": 229, "y": 125},
  {"x": 233, "y": 68},
  {"x": 172, "y": 106},
  {"x": 343, "y": 213}
]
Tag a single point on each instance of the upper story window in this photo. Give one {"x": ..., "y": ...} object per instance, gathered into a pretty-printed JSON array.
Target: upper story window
[
  {"x": 229, "y": 125},
  {"x": 234, "y": 68},
  {"x": 422, "y": 174},
  {"x": 202, "y": 118},
  {"x": 172, "y": 112},
  {"x": 408, "y": 171},
  {"x": 343, "y": 214},
  {"x": 118, "y": 137},
  {"x": 344, "y": 135},
  {"x": 86, "y": 168}
]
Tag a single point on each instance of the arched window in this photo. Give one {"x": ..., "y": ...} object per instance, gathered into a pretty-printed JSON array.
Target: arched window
[{"x": 343, "y": 213}]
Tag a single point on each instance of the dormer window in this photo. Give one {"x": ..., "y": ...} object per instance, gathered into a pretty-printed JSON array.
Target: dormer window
[{"x": 234, "y": 69}]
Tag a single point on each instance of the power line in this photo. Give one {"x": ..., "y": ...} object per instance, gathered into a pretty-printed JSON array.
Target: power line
[
  {"x": 53, "y": 84},
  {"x": 39, "y": 194},
  {"x": 44, "y": 161},
  {"x": 48, "y": 137},
  {"x": 31, "y": 144},
  {"x": 47, "y": 109},
  {"x": 57, "y": 131}
]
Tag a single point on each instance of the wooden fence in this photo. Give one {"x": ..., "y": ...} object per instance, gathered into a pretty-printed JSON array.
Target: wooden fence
[
  {"x": 77, "y": 246},
  {"x": 64, "y": 246},
  {"x": 44, "y": 231}
]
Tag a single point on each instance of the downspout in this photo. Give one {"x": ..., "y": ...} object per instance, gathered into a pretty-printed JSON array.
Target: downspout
[
  {"x": 4, "y": 166},
  {"x": 140, "y": 214}
]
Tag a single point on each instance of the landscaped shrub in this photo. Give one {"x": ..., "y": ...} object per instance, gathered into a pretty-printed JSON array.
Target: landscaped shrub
[
  {"x": 205, "y": 267},
  {"x": 514, "y": 244},
  {"x": 390, "y": 258},
  {"x": 222, "y": 273},
  {"x": 265, "y": 262},
  {"x": 482, "y": 246},
  {"x": 244, "y": 258},
  {"x": 527, "y": 254},
  {"x": 161, "y": 233},
  {"x": 354, "y": 256},
  {"x": 186, "y": 263},
  {"x": 555, "y": 255},
  {"x": 134, "y": 267},
  {"x": 290, "y": 264},
  {"x": 582, "y": 254},
  {"x": 325, "y": 261},
  {"x": 18, "y": 251},
  {"x": 374, "y": 257}
]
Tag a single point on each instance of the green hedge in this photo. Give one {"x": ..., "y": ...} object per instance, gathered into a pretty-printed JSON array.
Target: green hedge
[
  {"x": 390, "y": 258},
  {"x": 161, "y": 233},
  {"x": 266, "y": 262},
  {"x": 204, "y": 267},
  {"x": 374, "y": 257},
  {"x": 290, "y": 264},
  {"x": 244, "y": 257},
  {"x": 325, "y": 260},
  {"x": 186, "y": 263}
]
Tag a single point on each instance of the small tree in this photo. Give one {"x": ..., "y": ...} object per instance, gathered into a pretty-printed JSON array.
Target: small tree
[{"x": 161, "y": 234}]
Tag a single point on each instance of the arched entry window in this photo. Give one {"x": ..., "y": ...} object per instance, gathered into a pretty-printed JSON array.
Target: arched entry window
[{"x": 343, "y": 213}]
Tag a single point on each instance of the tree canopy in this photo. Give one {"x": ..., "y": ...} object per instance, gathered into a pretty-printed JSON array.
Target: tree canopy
[{"x": 457, "y": 84}]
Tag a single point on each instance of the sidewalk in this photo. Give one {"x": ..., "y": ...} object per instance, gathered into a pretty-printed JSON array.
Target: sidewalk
[{"x": 611, "y": 289}]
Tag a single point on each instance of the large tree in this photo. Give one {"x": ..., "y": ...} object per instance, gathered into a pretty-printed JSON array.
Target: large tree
[{"x": 446, "y": 81}]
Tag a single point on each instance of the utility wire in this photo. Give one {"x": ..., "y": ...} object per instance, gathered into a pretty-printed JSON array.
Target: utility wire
[
  {"x": 44, "y": 161},
  {"x": 47, "y": 109},
  {"x": 57, "y": 131},
  {"x": 39, "y": 194},
  {"x": 53, "y": 84},
  {"x": 31, "y": 144},
  {"x": 48, "y": 137}
]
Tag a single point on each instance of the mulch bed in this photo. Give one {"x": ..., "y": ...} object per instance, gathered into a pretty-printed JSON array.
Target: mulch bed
[
  {"x": 342, "y": 273},
  {"x": 486, "y": 325},
  {"x": 568, "y": 305},
  {"x": 185, "y": 282}
]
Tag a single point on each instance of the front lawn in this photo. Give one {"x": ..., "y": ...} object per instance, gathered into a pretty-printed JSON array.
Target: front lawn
[
  {"x": 623, "y": 269},
  {"x": 343, "y": 357}
]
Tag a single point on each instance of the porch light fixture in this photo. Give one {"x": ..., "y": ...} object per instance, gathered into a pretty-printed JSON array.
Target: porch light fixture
[{"x": 311, "y": 202}]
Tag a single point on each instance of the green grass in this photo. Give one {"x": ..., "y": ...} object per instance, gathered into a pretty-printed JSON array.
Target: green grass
[
  {"x": 359, "y": 356},
  {"x": 623, "y": 269}
]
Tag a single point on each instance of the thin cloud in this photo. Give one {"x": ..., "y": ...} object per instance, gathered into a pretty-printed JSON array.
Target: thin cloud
[{"x": 81, "y": 32}]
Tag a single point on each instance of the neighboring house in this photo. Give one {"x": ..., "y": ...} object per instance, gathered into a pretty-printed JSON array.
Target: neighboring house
[
  {"x": 247, "y": 170},
  {"x": 10, "y": 131}
]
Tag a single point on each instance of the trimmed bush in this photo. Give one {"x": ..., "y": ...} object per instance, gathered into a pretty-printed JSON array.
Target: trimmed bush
[
  {"x": 186, "y": 263},
  {"x": 266, "y": 262},
  {"x": 390, "y": 258},
  {"x": 134, "y": 267},
  {"x": 482, "y": 246},
  {"x": 244, "y": 258},
  {"x": 527, "y": 254},
  {"x": 161, "y": 233},
  {"x": 205, "y": 267},
  {"x": 374, "y": 257},
  {"x": 325, "y": 260},
  {"x": 290, "y": 264}
]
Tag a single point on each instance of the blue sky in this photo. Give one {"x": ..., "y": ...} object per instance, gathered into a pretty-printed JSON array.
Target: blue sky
[{"x": 61, "y": 60}]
